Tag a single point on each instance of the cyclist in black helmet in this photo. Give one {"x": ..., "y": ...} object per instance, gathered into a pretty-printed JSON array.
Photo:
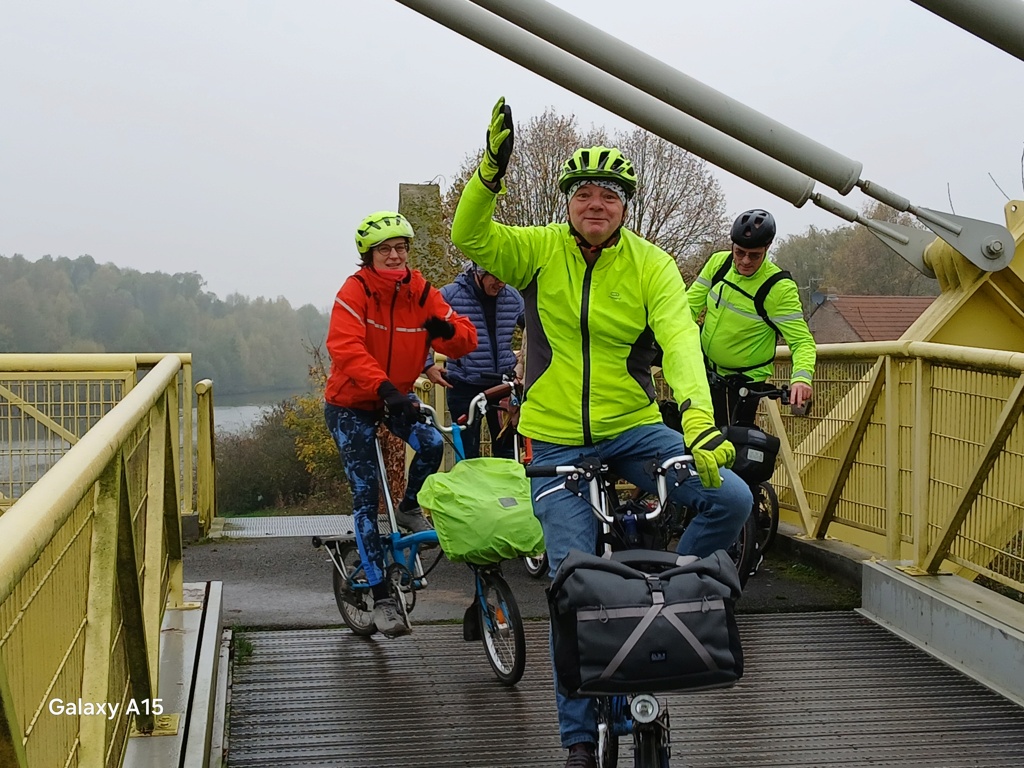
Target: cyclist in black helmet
[{"x": 749, "y": 302}]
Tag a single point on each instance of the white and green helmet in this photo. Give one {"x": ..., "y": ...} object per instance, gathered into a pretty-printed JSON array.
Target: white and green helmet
[{"x": 381, "y": 226}]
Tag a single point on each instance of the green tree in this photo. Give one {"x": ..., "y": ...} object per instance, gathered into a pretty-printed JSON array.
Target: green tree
[
  {"x": 864, "y": 265},
  {"x": 808, "y": 257},
  {"x": 65, "y": 305}
]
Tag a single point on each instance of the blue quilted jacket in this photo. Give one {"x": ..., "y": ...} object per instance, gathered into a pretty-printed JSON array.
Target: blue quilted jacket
[{"x": 464, "y": 297}]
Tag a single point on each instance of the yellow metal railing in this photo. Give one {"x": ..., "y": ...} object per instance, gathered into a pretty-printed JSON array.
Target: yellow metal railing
[
  {"x": 915, "y": 451},
  {"x": 47, "y": 402},
  {"x": 90, "y": 558},
  {"x": 206, "y": 460}
]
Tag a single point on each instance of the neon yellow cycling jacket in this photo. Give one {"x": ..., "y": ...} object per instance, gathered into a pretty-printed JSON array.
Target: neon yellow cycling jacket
[
  {"x": 590, "y": 328},
  {"x": 735, "y": 338}
]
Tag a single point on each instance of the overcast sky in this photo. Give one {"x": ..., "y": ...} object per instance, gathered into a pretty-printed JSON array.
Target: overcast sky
[{"x": 245, "y": 140}]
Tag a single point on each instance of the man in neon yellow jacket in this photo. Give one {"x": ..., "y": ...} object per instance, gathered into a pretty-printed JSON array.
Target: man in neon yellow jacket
[
  {"x": 749, "y": 303},
  {"x": 597, "y": 297}
]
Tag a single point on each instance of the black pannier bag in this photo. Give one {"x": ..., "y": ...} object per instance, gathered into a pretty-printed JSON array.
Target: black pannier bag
[
  {"x": 644, "y": 621},
  {"x": 756, "y": 452}
]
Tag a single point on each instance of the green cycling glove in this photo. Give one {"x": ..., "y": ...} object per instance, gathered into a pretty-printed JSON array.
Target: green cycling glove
[
  {"x": 498, "y": 148},
  {"x": 707, "y": 445}
]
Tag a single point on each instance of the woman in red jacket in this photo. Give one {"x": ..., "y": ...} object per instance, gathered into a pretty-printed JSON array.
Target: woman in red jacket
[{"x": 384, "y": 320}]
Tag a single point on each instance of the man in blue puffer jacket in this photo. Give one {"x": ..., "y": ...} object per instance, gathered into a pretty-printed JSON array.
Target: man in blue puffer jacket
[{"x": 495, "y": 309}]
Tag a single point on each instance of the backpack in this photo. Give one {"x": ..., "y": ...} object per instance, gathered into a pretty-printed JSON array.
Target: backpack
[{"x": 758, "y": 299}]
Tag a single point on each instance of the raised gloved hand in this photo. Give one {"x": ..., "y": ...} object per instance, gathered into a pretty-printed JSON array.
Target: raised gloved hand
[
  {"x": 707, "y": 445},
  {"x": 498, "y": 148},
  {"x": 398, "y": 404},
  {"x": 438, "y": 328}
]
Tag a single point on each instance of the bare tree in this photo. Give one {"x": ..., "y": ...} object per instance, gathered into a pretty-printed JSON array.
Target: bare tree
[{"x": 679, "y": 204}]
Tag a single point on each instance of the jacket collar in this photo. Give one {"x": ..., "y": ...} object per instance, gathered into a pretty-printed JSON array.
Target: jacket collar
[{"x": 376, "y": 281}]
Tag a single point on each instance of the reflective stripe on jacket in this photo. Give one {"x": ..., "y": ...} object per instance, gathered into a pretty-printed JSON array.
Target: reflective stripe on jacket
[
  {"x": 591, "y": 328},
  {"x": 376, "y": 335},
  {"x": 735, "y": 337}
]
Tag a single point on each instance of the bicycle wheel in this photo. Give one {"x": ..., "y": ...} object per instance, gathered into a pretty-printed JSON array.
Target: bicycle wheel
[
  {"x": 648, "y": 751},
  {"x": 607, "y": 735},
  {"x": 537, "y": 566},
  {"x": 744, "y": 551},
  {"x": 766, "y": 510},
  {"x": 355, "y": 603},
  {"x": 501, "y": 627}
]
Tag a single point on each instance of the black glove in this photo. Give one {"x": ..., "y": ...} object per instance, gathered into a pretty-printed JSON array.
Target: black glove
[
  {"x": 398, "y": 404},
  {"x": 438, "y": 328},
  {"x": 498, "y": 146}
]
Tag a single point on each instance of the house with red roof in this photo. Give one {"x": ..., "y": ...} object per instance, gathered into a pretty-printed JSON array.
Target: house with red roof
[{"x": 865, "y": 318}]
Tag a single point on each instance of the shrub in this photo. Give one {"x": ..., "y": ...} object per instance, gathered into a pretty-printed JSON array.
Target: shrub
[{"x": 260, "y": 469}]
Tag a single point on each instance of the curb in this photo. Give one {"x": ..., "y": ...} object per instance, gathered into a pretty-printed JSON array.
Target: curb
[{"x": 845, "y": 561}]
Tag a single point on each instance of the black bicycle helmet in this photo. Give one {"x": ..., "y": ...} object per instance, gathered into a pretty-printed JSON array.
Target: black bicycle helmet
[{"x": 753, "y": 229}]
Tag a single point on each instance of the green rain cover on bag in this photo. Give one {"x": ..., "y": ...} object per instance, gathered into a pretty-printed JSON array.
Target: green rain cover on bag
[{"x": 482, "y": 511}]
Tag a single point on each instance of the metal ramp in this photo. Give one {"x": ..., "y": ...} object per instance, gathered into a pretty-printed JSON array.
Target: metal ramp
[{"x": 820, "y": 689}]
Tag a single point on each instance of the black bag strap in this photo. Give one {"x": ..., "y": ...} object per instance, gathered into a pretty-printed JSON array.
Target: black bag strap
[
  {"x": 762, "y": 295},
  {"x": 363, "y": 283},
  {"x": 426, "y": 292},
  {"x": 723, "y": 270},
  {"x": 759, "y": 299}
]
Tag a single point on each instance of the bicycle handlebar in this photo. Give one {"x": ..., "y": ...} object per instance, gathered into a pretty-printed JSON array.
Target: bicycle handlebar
[
  {"x": 590, "y": 471},
  {"x": 478, "y": 405},
  {"x": 781, "y": 394}
]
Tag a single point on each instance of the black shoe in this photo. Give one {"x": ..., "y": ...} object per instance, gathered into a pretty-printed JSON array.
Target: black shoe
[{"x": 582, "y": 756}]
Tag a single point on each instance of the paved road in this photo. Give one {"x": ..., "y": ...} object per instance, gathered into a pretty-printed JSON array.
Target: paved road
[{"x": 284, "y": 582}]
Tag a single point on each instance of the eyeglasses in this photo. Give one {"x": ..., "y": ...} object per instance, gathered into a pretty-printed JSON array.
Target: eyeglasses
[
  {"x": 740, "y": 253},
  {"x": 385, "y": 250}
]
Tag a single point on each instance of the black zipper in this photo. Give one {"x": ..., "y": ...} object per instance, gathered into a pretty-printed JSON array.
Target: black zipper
[
  {"x": 391, "y": 325},
  {"x": 585, "y": 334}
]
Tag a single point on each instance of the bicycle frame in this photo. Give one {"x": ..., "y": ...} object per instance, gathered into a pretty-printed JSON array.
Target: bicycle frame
[
  {"x": 400, "y": 549},
  {"x": 641, "y": 714},
  {"x": 505, "y": 622}
]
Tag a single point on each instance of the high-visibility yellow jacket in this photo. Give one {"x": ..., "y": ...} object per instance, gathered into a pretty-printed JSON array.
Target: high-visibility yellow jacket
[
  {"x": 591, "y": 327},
  {"x": 735, "y": 338}
]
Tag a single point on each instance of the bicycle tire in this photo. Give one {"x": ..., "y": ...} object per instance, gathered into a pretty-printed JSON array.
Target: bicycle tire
[
  {"x": 537, "y": 566},
  {"x": 648, "y": 751},
  {"x": 501, "y": 628},
  {"x": 744, "y": 551},
  {"x": 766, "y": 509},
  {"x": 607, "y": 738},
  {"x": 355, "y": 605}
]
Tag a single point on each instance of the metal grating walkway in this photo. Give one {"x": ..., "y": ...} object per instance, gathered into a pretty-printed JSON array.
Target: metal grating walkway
[
  {"x": 820, "y": 689},
  {"x": 284, "y": 525}
]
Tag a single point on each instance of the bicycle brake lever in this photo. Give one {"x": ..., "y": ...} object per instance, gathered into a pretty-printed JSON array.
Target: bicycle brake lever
[{"x": 651, "y": 468}]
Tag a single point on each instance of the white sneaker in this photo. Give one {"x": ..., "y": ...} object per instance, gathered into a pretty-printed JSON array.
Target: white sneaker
[{"x": 389, "y": 619}]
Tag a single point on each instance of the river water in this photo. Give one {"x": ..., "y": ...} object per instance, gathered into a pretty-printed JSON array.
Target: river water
[
  {"x": 23, "y": 460},
  {"x": 236, "y": 413}
]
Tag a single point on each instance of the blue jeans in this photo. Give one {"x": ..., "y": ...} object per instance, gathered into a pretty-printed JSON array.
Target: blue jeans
[
  {"x": 569, "y": 523},
  {"x": 355, "y": 431}
]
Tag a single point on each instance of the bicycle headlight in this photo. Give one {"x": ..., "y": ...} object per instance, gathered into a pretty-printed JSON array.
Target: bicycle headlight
[{"x": 644, "y": 708}]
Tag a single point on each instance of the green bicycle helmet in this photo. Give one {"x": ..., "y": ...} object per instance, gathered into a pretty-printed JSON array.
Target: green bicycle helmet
[
  {"x": 598, "y": 163},
  {"x": 381, "y": 226}
]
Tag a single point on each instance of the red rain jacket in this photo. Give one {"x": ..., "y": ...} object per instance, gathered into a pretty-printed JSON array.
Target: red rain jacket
[{"x": 377, "y": 335}]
